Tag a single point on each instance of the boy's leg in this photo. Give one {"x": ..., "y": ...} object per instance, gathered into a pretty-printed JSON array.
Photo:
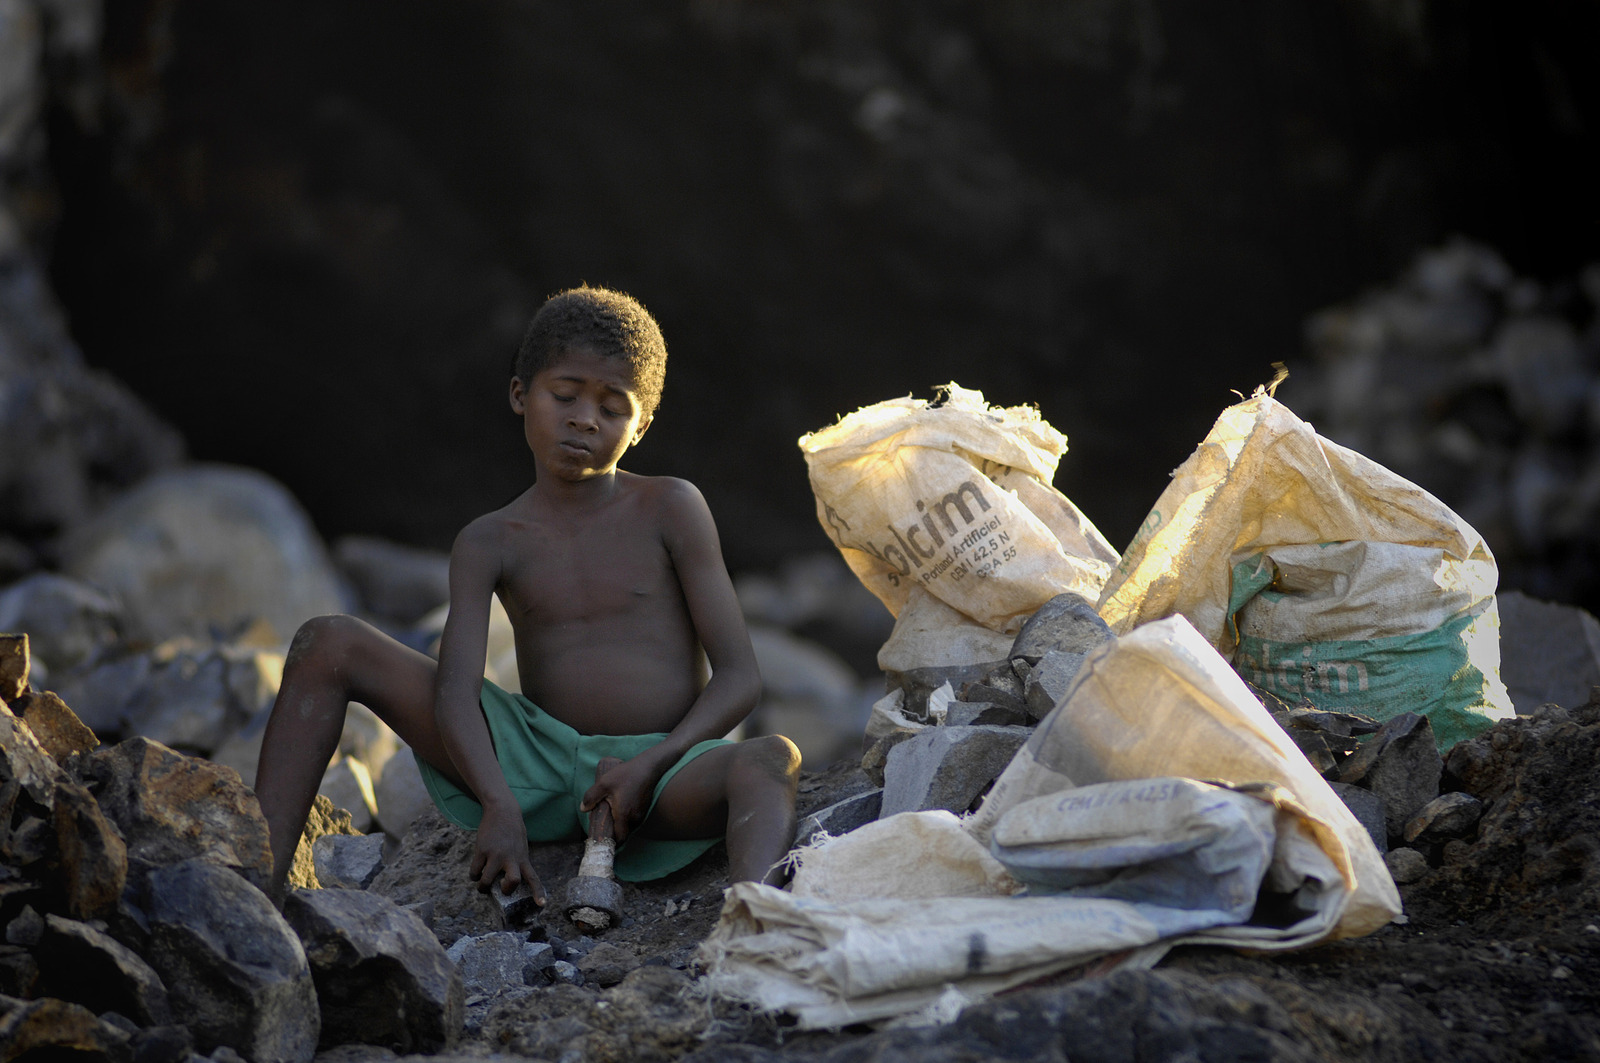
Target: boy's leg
[
  {"x": 744, "y": 791},
  {"x": 332, "y": 661}
]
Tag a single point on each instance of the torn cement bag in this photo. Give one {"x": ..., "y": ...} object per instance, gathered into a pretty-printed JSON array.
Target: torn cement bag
[
  {"x": 1160, "y": 701},
  {"x": 954, "y": 497},
  {"x": 1169, "y": 842},
  {"x": 1321, "y": 575},
  {"x": 909, "y": 916}
]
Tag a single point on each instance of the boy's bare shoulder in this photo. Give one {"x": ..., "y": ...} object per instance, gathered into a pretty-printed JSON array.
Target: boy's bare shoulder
[{"x": 677, "y": 503}]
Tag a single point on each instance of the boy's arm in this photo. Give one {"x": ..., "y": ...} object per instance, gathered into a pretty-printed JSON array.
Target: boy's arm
[
  {"x": 735, "y": 686},
  {"x": 502, "y": 841}
]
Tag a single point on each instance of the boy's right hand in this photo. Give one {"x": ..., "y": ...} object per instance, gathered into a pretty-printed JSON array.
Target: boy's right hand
[{"x": 502, "y": 854}]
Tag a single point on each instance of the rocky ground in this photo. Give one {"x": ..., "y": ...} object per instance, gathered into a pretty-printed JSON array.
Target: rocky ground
[{"x": 1499, "y": 958}]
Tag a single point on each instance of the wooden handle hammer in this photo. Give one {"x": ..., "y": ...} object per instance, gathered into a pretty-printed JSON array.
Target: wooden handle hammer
[{"x": 594, "y": 900}]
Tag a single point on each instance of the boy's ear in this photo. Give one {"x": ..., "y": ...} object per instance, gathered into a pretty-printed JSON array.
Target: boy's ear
[
  {"x": 644, "y": 423},
  {"x": 519, "y": 396}
]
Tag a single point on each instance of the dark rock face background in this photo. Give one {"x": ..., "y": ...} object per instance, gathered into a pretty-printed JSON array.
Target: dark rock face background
[{"x": 310, "y": 234}]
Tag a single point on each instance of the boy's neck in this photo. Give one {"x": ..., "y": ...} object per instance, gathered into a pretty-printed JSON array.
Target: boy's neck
[{"x": 590, "y": 491}]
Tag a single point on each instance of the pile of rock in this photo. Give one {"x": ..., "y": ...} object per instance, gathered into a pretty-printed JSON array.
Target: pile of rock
[
  {"x": 942, "y": 735},
  {"x": 1485, "y": 387},
  {"x": 135, "y": 925}
]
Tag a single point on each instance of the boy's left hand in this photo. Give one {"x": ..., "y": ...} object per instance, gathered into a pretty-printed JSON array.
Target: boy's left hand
[{"x": 628, "y": 788}]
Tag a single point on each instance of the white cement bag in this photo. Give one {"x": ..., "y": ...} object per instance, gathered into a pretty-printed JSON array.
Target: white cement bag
[
  {"x": 1170, "y": 842},
  {"x": 1321, "y": 575},
  {"x": 909, "y": 916},
  {"x": 1160, "y": 701},
  {"x": 954, "y": 497}
]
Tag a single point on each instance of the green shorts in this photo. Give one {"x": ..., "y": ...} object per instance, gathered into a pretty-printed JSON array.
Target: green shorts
[{"x": 549, "y": 766}]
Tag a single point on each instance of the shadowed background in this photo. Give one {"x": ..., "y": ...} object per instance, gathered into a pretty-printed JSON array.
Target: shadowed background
[{"x": 310, "y": 234}]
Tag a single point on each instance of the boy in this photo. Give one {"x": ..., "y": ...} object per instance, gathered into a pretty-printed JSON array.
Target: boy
[{"x": 613, "y": 583}]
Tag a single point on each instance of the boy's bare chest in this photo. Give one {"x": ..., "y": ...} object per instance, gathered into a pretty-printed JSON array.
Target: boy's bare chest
[{"x": 581, "y": 572}]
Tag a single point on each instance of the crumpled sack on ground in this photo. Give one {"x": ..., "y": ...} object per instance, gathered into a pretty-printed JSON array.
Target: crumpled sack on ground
[
  {"x": 953, "y": 498},
  {"x": 1321, "y": 575},
  {"x": 861, "y": 938}
]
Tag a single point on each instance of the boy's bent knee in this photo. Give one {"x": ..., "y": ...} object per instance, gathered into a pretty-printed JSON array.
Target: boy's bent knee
[
  {"x": 330, "y": 637},
  {"x": 773, "y": 756}
]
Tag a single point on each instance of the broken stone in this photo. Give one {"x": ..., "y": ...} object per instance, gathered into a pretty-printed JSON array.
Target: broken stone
[
  {"x": 68, "y": 622},
  {"x": 918, "y": 683},
  {"x": 519, "y": 908},
  {"x": 1067, "y": 623},
  {"x": 233, "y": 968},
  {"x": 607, "y": 964},
  {"x": 1049, "y": 679},
  {"x": 970, "y": 714},
  {"x": 564, "y": 972},
  {"x": 1447, "y": 816},
  {"x": 490, "y": 962},
  {"x": 86, "y": 966},
  {"x": 348, "y": 784},
  {"x": 877, "y": 755},
  {"x": 947, "y": 767},
  {"x": 172, "y": 1043},
  {"x": 1401, "y": 764},
  {"x": 50, "y": 1028},
  {"x": 345, "y": 861},
  {"x": 13, "y": 667},
  {"x": 1340, "y": 724},
  {"x": 1367, "y": 807},
  {"x": 25, "y": 928},
  {"x": 24, "y": 760},
  {"x": 93, "y": 857},
  {"x": 19, "y": 973},
  {"x": 1405, "y": 865},
  {"x": 1325, "y": 752},
  {"x": 56, "y": 726},
  {"x": 323, "y": 820},
  {"x": 842, "y": 817},
  {"x": 382, "y": 978},
  {"x": 1011, "y": 695},
  {"x": 172, "y": 807}
]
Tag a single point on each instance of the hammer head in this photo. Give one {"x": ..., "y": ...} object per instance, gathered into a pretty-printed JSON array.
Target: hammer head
[{"x": 593, "y": 902}]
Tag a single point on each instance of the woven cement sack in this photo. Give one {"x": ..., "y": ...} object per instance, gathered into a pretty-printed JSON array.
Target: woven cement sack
[
  {"x": 954, "y": 497},
  {"x": 1321, "y": 575},
  {"x": 1160, "y": 701}
]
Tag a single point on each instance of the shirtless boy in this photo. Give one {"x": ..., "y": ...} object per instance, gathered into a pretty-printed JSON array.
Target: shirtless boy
[{"x": 613, "y": 583}]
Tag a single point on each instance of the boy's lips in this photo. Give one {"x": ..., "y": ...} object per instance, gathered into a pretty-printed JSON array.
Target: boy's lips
[{"x": 572, "y": 446}]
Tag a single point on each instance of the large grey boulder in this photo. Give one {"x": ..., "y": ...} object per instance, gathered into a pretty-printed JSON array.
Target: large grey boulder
[
  {"x": 808, "y": 695},
  {"x": 207, "y": 546},
  {"x": 182, "y": 694},
  {"x": 400, "y": 583},
  {"x": 172, "y": 808},
  {"x": 947, "y": 767},
  {"x": 382, "y": 977},
  {"x": 67, "y": 622},
  {"x": 234, "y": 970},
  {"x": 89, "y": 967},
  {"x": 1548, "y": 652}
]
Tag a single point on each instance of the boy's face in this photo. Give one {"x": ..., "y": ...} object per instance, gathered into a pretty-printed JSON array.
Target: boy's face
[{"x": 580, "y": 414}]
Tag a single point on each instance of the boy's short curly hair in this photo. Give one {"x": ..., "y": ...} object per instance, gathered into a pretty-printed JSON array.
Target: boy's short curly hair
[{"x": 612, "y": 324}]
